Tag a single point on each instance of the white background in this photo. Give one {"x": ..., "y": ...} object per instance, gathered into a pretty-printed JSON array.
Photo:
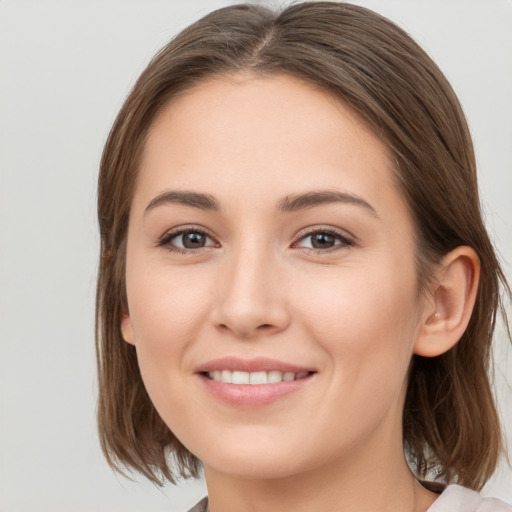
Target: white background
[{"x": 65, "y": 68}]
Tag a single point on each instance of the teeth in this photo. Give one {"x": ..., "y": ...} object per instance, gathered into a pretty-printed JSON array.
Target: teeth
[
  {"x": 258, "y": 378},
  {"x": 239, "y": 377},
  {"x": 274, "y": 376}
]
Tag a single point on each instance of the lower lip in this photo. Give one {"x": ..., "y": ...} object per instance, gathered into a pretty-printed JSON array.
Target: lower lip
[{"x": 253, "y": 395}]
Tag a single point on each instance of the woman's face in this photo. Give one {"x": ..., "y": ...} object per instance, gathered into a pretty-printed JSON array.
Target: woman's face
[{"x": 271, "y": 280}]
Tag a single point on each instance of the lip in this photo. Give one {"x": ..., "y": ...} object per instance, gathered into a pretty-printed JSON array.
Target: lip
[
  {"x": 252, "y": 395},
  {"x": 258, "y": 364}
]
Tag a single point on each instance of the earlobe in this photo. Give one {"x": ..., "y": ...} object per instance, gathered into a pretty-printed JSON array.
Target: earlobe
[
  {"x": 446, "y": 317},
  {"x": 127, "y": 329}
]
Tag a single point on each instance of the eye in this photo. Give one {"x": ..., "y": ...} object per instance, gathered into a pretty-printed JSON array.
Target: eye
[
  {"x": 324, "y": 240},
  {"x": 186, "y": 240}
]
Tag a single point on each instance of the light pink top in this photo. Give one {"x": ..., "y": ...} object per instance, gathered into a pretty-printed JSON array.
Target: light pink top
[
  {"x": 453, "y": 499},
  {"x": 459, "y": 499}
]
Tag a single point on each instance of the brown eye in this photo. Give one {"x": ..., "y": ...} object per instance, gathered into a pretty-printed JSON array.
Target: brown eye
[
  {"x": 325, "y": 240},
  {"x": 322, "y": 241},
  {"x": 192, "y": 240},
  {"x": 186, "y": 240}
]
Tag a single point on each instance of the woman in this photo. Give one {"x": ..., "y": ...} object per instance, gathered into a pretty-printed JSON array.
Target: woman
[{"x": 296, "y": 289}]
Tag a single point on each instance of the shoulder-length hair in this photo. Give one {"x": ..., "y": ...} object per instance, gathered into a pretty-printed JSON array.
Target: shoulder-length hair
[{"x": 450, "y": 423}]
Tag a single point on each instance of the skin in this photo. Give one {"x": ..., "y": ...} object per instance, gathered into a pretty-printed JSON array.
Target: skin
[{"x": 350, "y": 312}]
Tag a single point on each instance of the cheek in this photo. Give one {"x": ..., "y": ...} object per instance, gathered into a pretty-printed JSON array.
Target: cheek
[
  {"x": 165, "y": 305},
  {"x": 364, "y": 322},
  {"x": 168, "y": 311},
  {"x": 364, "y": 318},
  {"x": 366, "y": 297},
  {"x": 166, "y": 320}
]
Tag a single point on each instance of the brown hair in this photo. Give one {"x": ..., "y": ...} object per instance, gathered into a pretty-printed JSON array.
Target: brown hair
[{"x": 450, "y": 421}]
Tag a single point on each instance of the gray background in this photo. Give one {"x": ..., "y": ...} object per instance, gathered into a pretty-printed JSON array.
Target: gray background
[{"x": 65, "y": 68}]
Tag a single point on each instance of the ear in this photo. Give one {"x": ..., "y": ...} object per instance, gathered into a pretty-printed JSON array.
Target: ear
[
  {"x": 446, "y": 317},
  {"x": 127, "y": 328}
]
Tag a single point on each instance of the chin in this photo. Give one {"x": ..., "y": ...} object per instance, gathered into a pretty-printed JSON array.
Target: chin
[
  {"x": 254, "y": 468},
  {"x": 260, "y": 461}
]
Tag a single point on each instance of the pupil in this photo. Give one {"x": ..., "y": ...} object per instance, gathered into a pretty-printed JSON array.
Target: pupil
[
  {"x": 322, "y": 240},
  {"x": 193, "y": 240}
]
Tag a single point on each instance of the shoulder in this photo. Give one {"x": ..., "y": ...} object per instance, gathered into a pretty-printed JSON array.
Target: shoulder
[
  {"x": 202, "y": 506},
  {"x": 459, "y": 499}
]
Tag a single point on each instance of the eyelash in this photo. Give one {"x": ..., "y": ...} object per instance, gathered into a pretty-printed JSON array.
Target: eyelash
[
  {"x": 165, "y": 240},
  {"x": 344, "y": 240}
]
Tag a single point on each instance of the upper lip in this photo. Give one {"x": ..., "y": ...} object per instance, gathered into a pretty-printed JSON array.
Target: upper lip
[{"x": 258, "y": 364}]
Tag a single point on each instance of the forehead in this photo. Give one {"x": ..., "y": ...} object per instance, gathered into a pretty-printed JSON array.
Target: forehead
[
  {"x": 251, "y": 105},
  {"x": 264, "y": 135}
]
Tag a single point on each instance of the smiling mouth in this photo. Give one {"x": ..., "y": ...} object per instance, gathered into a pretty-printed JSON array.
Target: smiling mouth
[
  {"x": 253, "y": 383},
  {"x": 254, "y": 378}
]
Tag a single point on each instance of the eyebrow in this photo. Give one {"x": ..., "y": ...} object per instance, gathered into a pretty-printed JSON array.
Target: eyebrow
[
  {"x": 288, "y": 204},
  {"x": 193, "y": 199},
  {"x": 296, "y": 202}
]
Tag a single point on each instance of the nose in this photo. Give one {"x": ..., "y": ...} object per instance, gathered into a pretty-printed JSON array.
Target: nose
[{"x": 251, "y": 298}]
